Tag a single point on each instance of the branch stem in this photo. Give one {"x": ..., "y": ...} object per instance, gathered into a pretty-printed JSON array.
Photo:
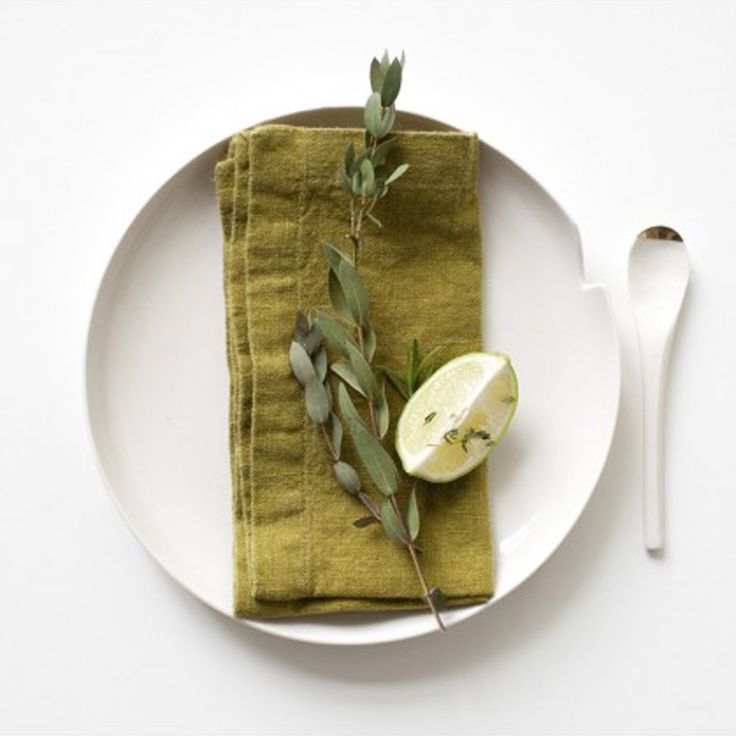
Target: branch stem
[
  {"x": 418, "y": 568},
  {"x": 328, "y": 442},
  {"x": 427, "y": 594}
]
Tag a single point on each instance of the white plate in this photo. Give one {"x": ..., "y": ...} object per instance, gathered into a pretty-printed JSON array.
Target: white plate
[{"x": 157, "y": 384}]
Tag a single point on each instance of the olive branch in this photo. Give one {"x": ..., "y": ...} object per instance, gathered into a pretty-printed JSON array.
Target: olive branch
[{"x": 366, "y": 178}]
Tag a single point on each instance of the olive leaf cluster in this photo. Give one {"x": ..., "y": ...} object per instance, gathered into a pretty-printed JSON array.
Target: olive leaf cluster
[
  {"x": 366, "y": 176},
  {"x": 308, "y": 360},
  {"x": 350, "y": 303},
  {"x": 354, "y": 370}
]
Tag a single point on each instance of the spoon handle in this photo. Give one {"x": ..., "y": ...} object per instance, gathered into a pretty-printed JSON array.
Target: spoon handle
[{"x": 654, "y": 351}]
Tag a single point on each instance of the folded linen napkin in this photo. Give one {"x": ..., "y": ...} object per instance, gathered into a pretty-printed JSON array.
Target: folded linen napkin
[{"x": 295, "y": 548}]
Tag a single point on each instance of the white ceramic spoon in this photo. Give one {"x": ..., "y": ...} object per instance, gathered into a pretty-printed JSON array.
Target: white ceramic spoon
[{"x": 659, "y": 272}]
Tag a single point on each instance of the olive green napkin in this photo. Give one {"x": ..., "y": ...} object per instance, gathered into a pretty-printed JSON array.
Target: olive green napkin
[{"x": 295, "y": 548}]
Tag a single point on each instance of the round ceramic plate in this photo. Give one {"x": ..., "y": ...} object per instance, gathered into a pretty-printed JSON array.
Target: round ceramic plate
[{"x": 157, "y": 384}]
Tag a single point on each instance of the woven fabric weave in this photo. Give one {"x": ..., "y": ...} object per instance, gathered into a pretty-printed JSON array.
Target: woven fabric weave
[{"x": 295, "y": 548}]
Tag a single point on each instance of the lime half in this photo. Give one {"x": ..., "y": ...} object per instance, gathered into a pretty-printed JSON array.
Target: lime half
[{"x": 450, "y": 424}]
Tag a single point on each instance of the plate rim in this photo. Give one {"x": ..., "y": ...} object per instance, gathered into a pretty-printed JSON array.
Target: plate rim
[{"x": 271, "y": 626}]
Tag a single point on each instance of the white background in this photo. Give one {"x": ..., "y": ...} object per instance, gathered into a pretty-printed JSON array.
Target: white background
[{"x": 625, "y": 111}]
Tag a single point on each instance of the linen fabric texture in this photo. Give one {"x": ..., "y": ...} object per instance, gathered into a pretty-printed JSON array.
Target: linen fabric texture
[{"x": 295, "y": 548}]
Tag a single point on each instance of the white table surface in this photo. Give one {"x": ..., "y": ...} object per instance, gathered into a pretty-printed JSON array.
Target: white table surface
[{"x": 626, "y": 111}]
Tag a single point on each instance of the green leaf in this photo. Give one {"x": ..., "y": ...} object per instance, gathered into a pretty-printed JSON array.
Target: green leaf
[
  {"x": 368, "y": 178},
  {"x": 320, "y": 364},
  {"x": 334, "y": 256},
  {"x": 355, "y": 168},
  {"x": 347, "y": 476},
  {"x": 369, "y": 503},
  {"x": 313, "y": 339},
  {"x": 391, "y": 84},
  {"x": 397, "y": 172},
  {"x": 365, "y": 521},
  {"x": 372, "y": 114},
  {"x": 438, "y": 598},
  {"x": 382, "y": 151},
  {"x": 336, "y": 433},
  {"x": 392, "y": 524},
  {"x": 301, "y": 364},
  {"x": 412, "y": 515},
  {"x": 328, "y": 391},
  {"x": 416, "y": 358},
  {"x": 382, "y": 412},
  {"x": 427, "y": 373},
  {"x": 374, "y": 220},
  {"x": 344, "y": 181},
  {"x": 377, "y": 75},
  {"x": 356, "y": 184},
  {"x": 349, "y": 156},
  {"x": 412, "y": 366},
  {"x": 318, "y": 402},
  {"x": 363, "y": 372},
  {"x": 355, "y": 296},
  {"x": 339, "y": 299},
  {"x": 384, "y": 62},
  {"x": 387, "y": 122},
  {"x": 403, "y": 59},
  {"x": 345, "y": 372},
  {"x": 426, "y": 365},
  {"x": 377, "y": 461},
  {"x": 302, "y": 326},
  {"x": 396, "y": 381},
  {"x": 333, "y": 333},
  {"x": 369, "y": 341}
]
